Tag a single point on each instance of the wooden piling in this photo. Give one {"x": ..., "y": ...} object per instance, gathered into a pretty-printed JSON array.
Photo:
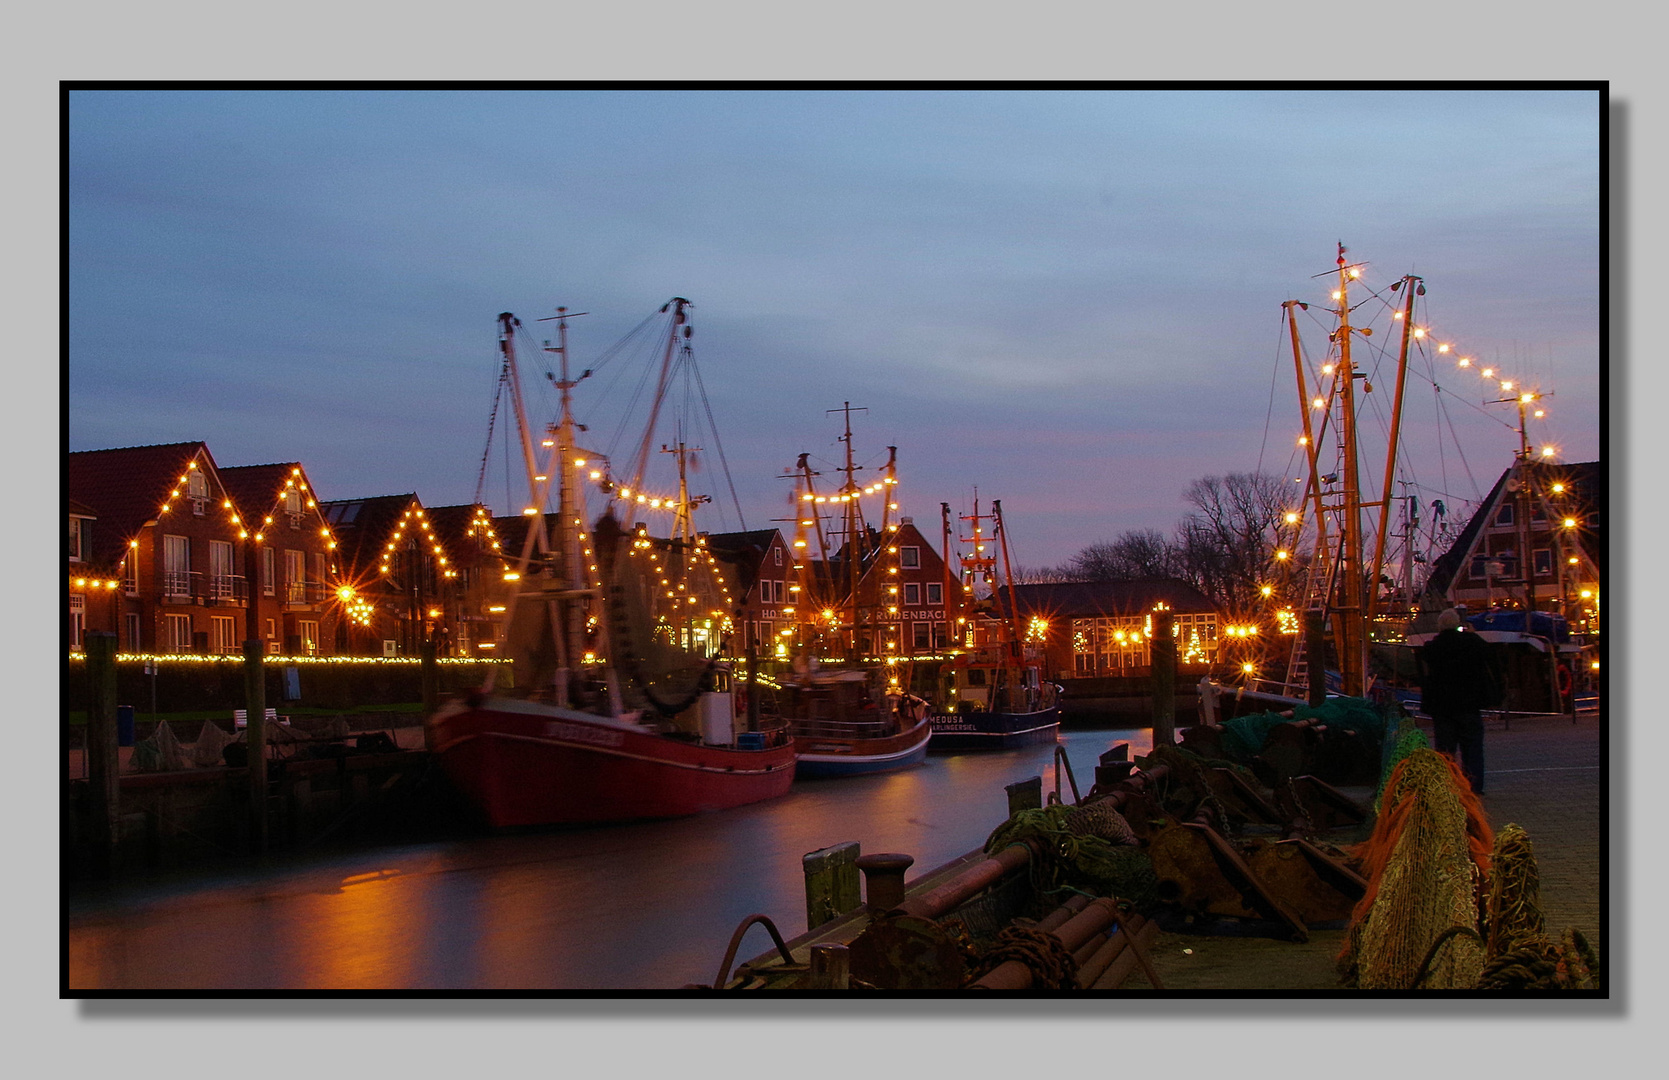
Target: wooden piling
[
  {"x": 831, "y": 883},
  {"x": 104, "y": 762},
  {"x": 1164, "y": 679},
  {"x": 431, "y": 676},
  {"x": 1024, "y": 795},
  {"x": 255, "y": 702}
]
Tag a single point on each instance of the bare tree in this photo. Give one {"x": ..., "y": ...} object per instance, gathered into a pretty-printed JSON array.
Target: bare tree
[
  {"x": 1135, "y": 554},
  {"x": 1041, "y": 575},
  {"x": 1238, "y": 540}
]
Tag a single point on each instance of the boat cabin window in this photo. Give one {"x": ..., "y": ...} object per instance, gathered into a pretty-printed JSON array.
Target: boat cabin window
[{"x": 1504, "y": 515}]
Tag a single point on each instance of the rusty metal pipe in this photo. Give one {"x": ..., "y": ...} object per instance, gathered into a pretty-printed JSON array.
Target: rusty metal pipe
[
  {"x": 1091, "y": 967},
  {"x": 1058, "y": 917},
  {"x": 1097, "y": 915},
  {"x": 935, "y": 903},
  {"x": 1126, "y": 961}
]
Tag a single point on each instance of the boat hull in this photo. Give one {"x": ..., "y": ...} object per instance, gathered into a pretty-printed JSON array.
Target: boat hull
[
  {"x": 523, "y": 763},
  {"x": 821, "y": 757},
  {"x": 995, "y": 730}
]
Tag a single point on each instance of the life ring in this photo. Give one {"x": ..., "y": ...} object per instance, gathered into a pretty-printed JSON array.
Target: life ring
[{"x": 1564, "y": 680}]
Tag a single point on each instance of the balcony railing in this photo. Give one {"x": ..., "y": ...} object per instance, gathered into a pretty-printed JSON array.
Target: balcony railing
[
  {"x": 302, "y": 592},
  {"x": 190, "y": 586}
]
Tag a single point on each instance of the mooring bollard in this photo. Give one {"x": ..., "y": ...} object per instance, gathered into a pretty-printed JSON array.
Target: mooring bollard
[{"x": 884, "y": 879}]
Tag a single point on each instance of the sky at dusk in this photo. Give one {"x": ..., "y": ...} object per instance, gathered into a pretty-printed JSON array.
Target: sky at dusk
[{"x": 1069, "y": 299}]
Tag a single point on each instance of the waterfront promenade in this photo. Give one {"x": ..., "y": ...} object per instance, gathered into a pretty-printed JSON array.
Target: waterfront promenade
[{"x": 1545, "y": 774}]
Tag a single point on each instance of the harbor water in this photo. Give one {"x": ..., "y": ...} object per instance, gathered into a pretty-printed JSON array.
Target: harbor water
[{"x": 643, "y": 906}]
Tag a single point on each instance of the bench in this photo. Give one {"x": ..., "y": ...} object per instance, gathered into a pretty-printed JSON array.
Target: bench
[{"x": 240, "y": 718}]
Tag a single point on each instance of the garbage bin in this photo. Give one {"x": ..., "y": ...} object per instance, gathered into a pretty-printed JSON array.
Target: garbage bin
[{"x": 124, "y": 725}]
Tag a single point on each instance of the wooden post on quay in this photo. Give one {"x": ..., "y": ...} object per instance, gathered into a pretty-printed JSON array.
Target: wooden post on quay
[
  {"x": 1164, "y": 680},
  {"x": 1024, "y": 795},
  {"x": 104, "y": 762},
  {"x": 831, "y": 883},
  {"x": 1315, "y": 656},
  {"x": 255, "y": 701},
  {"x": 431, "y": 676}
]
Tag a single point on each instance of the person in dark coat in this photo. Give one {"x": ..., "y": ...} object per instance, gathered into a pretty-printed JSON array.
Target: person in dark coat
[{"x": 1457, "y": 682}]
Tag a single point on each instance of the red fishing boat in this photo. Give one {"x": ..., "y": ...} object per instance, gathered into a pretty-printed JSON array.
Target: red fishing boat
[{"x": 613, "y": 710}]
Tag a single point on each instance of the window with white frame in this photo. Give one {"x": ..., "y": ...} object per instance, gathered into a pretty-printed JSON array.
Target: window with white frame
[
  {"x": 909, "y": 558},
  {"x": 130, "y": 632},
  {"x": 79, "y": 541},
  {"x": 935, "y": 593},
  {"x": 921, "y": 635},
  {"x": 197, "y": 487},
  {"x": 295, "y": 574},
  {"x": 777, "y": 556},
  {"x": 177, "y": 629},
  {"x": 223, "y": 634},
  {"x": 78, "y": 621},
  {"x": 309, "y": 632},
  {"x": 269, "y": 571},
  {"x": 912, "y": 594},
  {"x": 1543, "y": 560},
  {"x": 1504, "y": 515},
  {"x": 222, "y": 586},
  {"x": 176, "y": 566}
]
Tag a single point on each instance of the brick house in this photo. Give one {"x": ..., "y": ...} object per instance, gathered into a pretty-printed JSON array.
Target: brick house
[
  {"x": 399, "y": 570},
  {"x": 1100, "y": 629},
  {"x": 469, "y": 535},
  {"x": 761, "y": 573},
  {"x": 159, "y": 520},
  {"x": 1553, "y": 511},
  {"x": 296, "y": 582}
]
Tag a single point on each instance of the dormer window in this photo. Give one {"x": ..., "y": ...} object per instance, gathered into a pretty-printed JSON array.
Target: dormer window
[
  {"x": 80, "y": 538},
  {"x": 197, "y": 487}
]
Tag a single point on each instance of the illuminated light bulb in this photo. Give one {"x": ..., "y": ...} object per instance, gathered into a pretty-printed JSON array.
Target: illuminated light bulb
[
  {"x": 1465, "y": 361},
  {"x": 1443, "y": 348},
  {"x": 1318, "y": 403},
  {"x": 1303, "y": 440},
  {"x": 1337, "y": 295},
  {"x": 1547, "y": 451},
  {"x": 1570, "y": 523},
  {"x": 1558, "y": 488},
  {"x": 1327, "y": 369},
  {"x": 1292, "y": 518},
  {"x": 1506, "y": 385},
  {"x": 1540, "y": 413},
  {"x": 1280, "y": 554},
  {"x": 1419, "y": 331},
  {"x": 1488, "y": 372}
]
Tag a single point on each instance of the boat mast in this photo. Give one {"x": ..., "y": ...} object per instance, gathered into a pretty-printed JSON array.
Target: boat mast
[
  {"x": 854, "y": 521},
  {"x": 1349, "y": 628},
  {"x": 1310, "y": 435},
  {"x": 677, "y": 304},
  {"x": 1410, "y": 285},
  {"x": 1008, "y": 577},
  {"x": 570, "y": 512}
]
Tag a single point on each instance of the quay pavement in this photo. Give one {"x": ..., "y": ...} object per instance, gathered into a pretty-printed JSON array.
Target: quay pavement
[{"x": 1544, "y": 774}]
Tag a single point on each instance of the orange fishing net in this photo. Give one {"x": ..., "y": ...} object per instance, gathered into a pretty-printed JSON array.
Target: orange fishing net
[{"x": 1417, "y": 923}]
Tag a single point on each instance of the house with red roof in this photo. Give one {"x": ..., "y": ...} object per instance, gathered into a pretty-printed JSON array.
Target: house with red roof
[
  {"x": 159, "y": 521},
  {"x": 296, "y": 581}
]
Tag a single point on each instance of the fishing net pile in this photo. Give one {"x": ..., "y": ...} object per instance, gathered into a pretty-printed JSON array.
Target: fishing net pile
[
  {"x": 1244, "y": 736},
  {"x": 1408, "y": 739},
  {"x": 1080, "y": 849},
  {"x": 1183, "y": 788},
  {"x": 1518, "y": 953},
  {"x": 1416, "y": 927}
]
